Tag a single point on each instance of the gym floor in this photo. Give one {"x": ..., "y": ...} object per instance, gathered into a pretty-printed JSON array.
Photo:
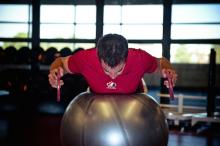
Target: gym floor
[{"x": 43, "y": 130}]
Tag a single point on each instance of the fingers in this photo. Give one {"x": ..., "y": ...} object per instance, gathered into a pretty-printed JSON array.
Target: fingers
[
  {"x": 170, "y": 76},
  {"x": 54, "y": 82},
  {"x": 53, "y": 77}
]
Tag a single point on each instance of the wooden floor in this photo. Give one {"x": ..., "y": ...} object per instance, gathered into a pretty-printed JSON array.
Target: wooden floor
[{"x": 43, "y": 130}]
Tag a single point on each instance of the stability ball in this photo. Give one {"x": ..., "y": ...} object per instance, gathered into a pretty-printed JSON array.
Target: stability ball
[{"x": 113, "y": 120}]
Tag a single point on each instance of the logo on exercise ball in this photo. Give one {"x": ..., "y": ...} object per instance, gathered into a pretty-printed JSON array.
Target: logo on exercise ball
[{"x": 111, "y": 85}]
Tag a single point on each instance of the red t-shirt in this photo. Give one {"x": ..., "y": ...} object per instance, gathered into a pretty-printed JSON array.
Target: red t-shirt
[{"x": 138, "y": 62}]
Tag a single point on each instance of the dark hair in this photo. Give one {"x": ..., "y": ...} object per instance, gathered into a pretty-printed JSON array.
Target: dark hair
[{"x": 112, "y": 49}]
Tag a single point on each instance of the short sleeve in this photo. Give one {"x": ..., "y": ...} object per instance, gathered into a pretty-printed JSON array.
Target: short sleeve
[
  {"x": 149, "y": 62},
  {"x": 76, "y": 62}
]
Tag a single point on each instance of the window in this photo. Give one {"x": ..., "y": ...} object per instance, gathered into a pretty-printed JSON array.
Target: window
[
  {"x": 193, "y": 53},
  {"x": 195, "y": 21},
  {"x": 15, "y": 22},
  {"x": 134, "y": 22},
  {"x": 68, "y": 21},
  {"x": 71, "y": 46}
]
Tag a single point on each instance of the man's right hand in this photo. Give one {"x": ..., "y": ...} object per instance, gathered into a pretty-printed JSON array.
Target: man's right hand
[{"x": 53, "y": 76}]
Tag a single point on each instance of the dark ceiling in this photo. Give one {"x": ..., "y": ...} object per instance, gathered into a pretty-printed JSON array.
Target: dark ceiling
[{"x": 112, "y": 2}]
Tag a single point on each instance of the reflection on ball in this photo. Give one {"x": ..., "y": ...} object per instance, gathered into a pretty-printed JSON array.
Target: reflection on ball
[{"x": 114, "y": 120}]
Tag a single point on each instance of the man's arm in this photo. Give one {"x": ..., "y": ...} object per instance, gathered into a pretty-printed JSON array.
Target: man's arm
[
  {"x": 165, "y": 64},
  {"x": 60, "y": 62},
  {"x": 167, "y": 71},
  {"x": 60, "y": 65}
]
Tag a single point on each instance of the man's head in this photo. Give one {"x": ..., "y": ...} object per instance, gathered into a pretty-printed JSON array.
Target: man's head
[
  {"x": 112, "y": 49},
  {"x": 112, "y": 52}
]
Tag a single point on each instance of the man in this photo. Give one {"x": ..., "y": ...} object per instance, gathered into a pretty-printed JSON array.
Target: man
[{"x": 112, "y": 68}]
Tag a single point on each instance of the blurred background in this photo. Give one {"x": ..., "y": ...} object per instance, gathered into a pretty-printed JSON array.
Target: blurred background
[{"x": 34, "y": 33}]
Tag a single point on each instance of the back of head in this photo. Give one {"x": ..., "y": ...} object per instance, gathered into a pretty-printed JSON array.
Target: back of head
[{"x": 112, "y": 49}]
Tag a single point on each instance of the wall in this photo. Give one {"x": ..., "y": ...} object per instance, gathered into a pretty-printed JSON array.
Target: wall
[{"x": 189, "y": 75}]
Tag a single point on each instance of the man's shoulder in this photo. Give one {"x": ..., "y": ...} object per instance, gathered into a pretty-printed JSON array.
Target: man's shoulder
[
  {"x": 89, "y": 55},
  {"x": 85, "y": 52},
  {"x": 91, "y": 50},
  {"x": 139, "y": 54},
  {"x": 136, "y": 51}
]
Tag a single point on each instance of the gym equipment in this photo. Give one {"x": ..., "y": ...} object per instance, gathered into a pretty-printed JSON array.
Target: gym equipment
[{"x": 114, "y": 120}]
